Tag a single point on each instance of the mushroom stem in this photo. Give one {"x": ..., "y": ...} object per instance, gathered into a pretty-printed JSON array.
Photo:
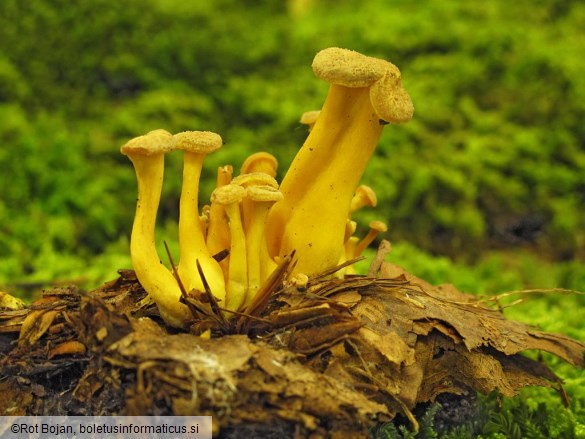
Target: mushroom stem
[
  {"x": 218, "y": 231},
  {"x": 154, "y": 277},
  {"x": 230, "y": 197},
  {"x": 321, "y": 181},
  {"x": 376, "y": 227},
  {"x": 350, "y": 253},
  {"x": 191, "y": 238},
  {"x": 260, "y": 265}
]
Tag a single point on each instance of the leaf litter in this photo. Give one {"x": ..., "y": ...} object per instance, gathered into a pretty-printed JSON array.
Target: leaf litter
[{"x": 331, "y": 358}]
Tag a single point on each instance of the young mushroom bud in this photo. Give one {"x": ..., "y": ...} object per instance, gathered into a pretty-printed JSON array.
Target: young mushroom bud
[
  {"x": 147, "y": 156},
  {"x": 376, "y": 227},
  {"x": 196, "y": 145},
  {"x": 310, "y": 118},
  {"x": 324, "y": 175},
  {"x": 230, "y": 197},
  {"x": 364, "y": 196},
  {"x": 260, "y": 265},
  {"x": 263, "y": 162}
]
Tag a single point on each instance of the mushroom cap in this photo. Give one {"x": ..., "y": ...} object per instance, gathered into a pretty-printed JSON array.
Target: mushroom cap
[
  {"x": 352, "y": 69},
  {"x": 264, "y": 193},
  {"x": 389, "y": 99},
  {"x": 202, "y": 142},
  {"x": 348, "y": 68},
  {"x": 228, "y": 194},
  {"x": 309, "y": 117},
  {"x": 379, "y": 226},
  {"x": 153, "y": 142},
  {"x": 256, "y": 159},
  {"x": 367, "y": 194},
  {"x": 255, "y": 179}
]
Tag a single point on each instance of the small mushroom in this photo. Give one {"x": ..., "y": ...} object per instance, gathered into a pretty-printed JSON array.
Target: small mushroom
[
  {"x": 376, "y": 227},
  {"x": 260, "y": 162},
  {"x": 230, "y": 197},
  {"x": 350, "y": 228},
  {"x": 248, "y": 180},
  {"x": 310, "y": 118},
  {"x": 364, "y": 196},
  {"x": 218, "y": 231},
  {"x": 196, "y": 145},
  {"x": 260, "y": 265},
  {"x": 255, "y": 178},
  {"x": 147, "y": 155},
  {"x": 350, "y": 253},
  {"x": 324, "y": 175}
]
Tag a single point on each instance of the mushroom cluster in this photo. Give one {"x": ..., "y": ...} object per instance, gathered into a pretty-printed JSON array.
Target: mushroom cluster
[{"x": 252, "y": 220}]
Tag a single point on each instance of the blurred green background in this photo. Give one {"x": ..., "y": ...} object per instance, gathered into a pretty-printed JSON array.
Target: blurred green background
[
  {"x": 485, "y": 188},
  {"x": 493, "y": 163}
]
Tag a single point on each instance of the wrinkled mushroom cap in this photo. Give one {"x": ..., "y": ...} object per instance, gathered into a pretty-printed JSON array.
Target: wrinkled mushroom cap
[
  {"x": 352, "y": 69},
  {"x": 154, "y": 142},
  {"x": 228, "y": 194},
  {"x": 264, "y": 193},
  {"x": 390, "y": 100},
  {"x": 348, "y": 68},
  {"x": 202, "y": 142},
  {"x": 255, "y": 179}
]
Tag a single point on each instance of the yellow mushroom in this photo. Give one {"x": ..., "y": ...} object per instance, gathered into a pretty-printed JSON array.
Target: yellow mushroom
[
  {"x": 196, "y": 144},
  {"x": 204, "y": 218},
  {"x": 255, "y": 178},
  {"x": 364, "y": 196},
  {"x": 310, "y": 118},
  {"x": 320, "y": 183},
  {"x": 350, "y": 253},
  {"x": 252, "y": 179},
  {"x": 260, "y": 162},
  {"x": 230, "y": 197},
  {"x": 218, "y": 231},
  {"x": 376, "y": 227},
  {"x": 350, "y": 228},
  {"x": 147, "y": 156},
  {"x": 260, "y": 265}
]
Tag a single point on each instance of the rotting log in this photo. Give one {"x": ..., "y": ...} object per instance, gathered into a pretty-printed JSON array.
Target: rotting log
[{"x": 333, "y": 357}]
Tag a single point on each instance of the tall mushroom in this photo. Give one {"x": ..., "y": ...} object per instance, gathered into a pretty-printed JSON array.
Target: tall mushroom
[
  {"x": 230, "y": 197},
  {"x": 147, "y": 155},
  {"x": 365, "y": 93},
  {"x": 196, "y": 144}
]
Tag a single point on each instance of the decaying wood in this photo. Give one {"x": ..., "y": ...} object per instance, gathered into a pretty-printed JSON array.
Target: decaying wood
[{"x": 331, "y": 358}]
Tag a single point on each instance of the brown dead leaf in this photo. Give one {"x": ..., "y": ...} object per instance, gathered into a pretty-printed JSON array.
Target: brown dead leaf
[
  {"x": 67, "y": 348},
  {"x": 35, "y": 325}
]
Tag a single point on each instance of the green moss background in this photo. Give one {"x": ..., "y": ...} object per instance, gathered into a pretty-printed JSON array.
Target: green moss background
[{"x": 485, "y": 188}]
